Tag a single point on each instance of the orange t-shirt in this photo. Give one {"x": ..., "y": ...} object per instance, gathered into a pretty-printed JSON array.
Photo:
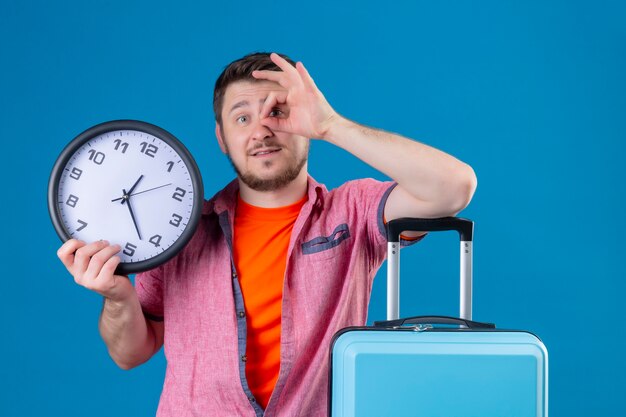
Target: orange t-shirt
[{"x": 261, "y": 241}]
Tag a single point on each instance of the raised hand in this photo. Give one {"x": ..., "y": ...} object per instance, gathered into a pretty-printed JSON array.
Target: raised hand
[{"x": 303, "y": 109}]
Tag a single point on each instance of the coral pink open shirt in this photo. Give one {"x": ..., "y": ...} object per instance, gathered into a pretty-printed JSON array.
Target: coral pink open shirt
[{"x": 337, "y": 245}]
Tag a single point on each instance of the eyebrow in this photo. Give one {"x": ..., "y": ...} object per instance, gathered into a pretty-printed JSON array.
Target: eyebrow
[
  {"x": 243, "y": 103},
  {"x": 239, "y": 104}
]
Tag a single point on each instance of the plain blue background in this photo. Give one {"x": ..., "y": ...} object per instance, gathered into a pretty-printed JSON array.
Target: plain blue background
[{"x": 532, "y": 94}]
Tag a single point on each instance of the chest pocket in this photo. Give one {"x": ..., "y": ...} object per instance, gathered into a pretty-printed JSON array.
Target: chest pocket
[{"x": 324, "y": 243}]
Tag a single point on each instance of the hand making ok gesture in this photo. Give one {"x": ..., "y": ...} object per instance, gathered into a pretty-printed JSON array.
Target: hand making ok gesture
[{"x": 305, "y": 111}]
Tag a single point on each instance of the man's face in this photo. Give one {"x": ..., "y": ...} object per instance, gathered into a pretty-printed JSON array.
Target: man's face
[{"x": 263, "y": 159}]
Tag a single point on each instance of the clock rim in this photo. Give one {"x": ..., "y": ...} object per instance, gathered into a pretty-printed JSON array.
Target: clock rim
[{"x": 125, "y": 268}]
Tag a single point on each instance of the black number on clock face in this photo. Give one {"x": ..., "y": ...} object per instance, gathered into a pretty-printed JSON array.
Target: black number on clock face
[
  {"x": 120, "y": 144},
  {"x": 170, "y": 165},
  {"x": 129, "y": 249},
  {"x": 76, "y": 173},
  {"x": 179, "y": 193},
  {"x": 96, "y": 157},
  {"x": 156, "y": 240},
  {"x": 176, "y": 220},
  {"x": 72, "y": 200},
  {"x": 148, "y": 149},
  {"x": 82, "y": 225}
]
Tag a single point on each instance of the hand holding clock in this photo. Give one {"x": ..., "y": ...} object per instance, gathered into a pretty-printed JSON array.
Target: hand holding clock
[
  {"x": 130, "y": 338},
  {"x": 93, "y": 265}
]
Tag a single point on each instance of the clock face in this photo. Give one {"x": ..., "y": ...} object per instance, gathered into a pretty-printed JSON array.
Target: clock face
[{"x": 132, "y": 184}]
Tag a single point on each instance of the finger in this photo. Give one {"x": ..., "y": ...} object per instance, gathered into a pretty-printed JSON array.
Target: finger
[
  {"x": 109, "y": 267},
  {"x": 83, "y": 255},
  {"x": 278, "y": 77},
  {"x": 274, "y": 100},
  {"x": 306, "y": 77},
  {"x": 287, "y": 76},
  {"x": 66, "y": 251},
  {"x": 282, "y": 63},
  {"x": 270, "y": 102},
  {"x": 98, "y": 260},
  {"x": 274, "y": 124},
  {"x": 104, "y": 282}
]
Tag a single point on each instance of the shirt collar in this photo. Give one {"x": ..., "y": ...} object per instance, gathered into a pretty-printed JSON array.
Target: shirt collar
[{"x": 226, "y": 199}]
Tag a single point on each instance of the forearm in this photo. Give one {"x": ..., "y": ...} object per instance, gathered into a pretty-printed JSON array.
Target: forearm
[
  {"x": 124, "y": 329},
  {"x": 424, "y": 172}
]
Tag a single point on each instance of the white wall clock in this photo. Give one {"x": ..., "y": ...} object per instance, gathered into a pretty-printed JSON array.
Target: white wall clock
[{"x": 131, "y": 183}]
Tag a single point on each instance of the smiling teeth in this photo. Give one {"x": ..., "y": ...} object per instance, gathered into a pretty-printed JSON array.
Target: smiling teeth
[{"x": 265, "y": 152}]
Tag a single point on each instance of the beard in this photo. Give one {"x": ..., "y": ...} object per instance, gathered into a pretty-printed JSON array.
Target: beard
[{"x": 277, "y": 181}]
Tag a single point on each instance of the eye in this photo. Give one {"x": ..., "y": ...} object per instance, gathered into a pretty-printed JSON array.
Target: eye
[
  {"x": 275, "y": 112},
  {"x": 242, "y": 119}
]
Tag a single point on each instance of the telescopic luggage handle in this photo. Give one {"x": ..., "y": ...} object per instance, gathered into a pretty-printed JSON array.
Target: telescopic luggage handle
[{"x": 396, "y": 227}]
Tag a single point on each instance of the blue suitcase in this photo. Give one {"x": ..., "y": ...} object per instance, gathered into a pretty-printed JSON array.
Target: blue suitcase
[{"x": 436, "y": 366}]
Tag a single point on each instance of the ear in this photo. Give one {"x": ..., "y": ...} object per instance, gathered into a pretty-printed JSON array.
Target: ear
[{"x": 220, "y": 139}]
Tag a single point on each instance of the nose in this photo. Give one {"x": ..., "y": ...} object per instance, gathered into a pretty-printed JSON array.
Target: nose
[{"x": 260, "y": 132}]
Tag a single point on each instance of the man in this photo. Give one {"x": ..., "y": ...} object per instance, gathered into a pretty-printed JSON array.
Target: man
[{"x": 278, "y": 264}]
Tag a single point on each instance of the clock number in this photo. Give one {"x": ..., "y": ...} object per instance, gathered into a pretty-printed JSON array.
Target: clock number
[
  {"x": 179, "y": 194},
  {"x": 96, "y": 157},
  {"x": 129, "y": 249},
  {"x": 82, "y": 225},
  {"x": 72, "y": 200},
  {"x": 176, "y": 219},
  {"x": 76, "y": 173},
  {"x": 170, "y": 164},
  {"x": 149, "y": 149},
  {"x": 119, "y": 143},
  {"x": 156, "y": 240}
]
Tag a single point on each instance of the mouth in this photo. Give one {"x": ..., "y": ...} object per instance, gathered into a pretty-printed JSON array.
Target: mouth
[{"x": 265, "y": 151}]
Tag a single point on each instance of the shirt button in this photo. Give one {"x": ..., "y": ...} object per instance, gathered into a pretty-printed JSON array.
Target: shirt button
[
  {"x": 251, "y": 399},
  {"x": 244, "y": 358},
  {"x": 242, "y": 314}
]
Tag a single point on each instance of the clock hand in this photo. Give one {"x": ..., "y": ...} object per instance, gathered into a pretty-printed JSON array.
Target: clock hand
[
  {"x": 134, "y": 185},
  {"x": 126, "y": 195},
  {"x": 140, "y": 192},
  {"x": 130, "y": 209}
]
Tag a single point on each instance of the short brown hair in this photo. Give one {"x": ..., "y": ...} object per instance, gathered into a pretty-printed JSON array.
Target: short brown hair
[{"x": 238, "y": 70}]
